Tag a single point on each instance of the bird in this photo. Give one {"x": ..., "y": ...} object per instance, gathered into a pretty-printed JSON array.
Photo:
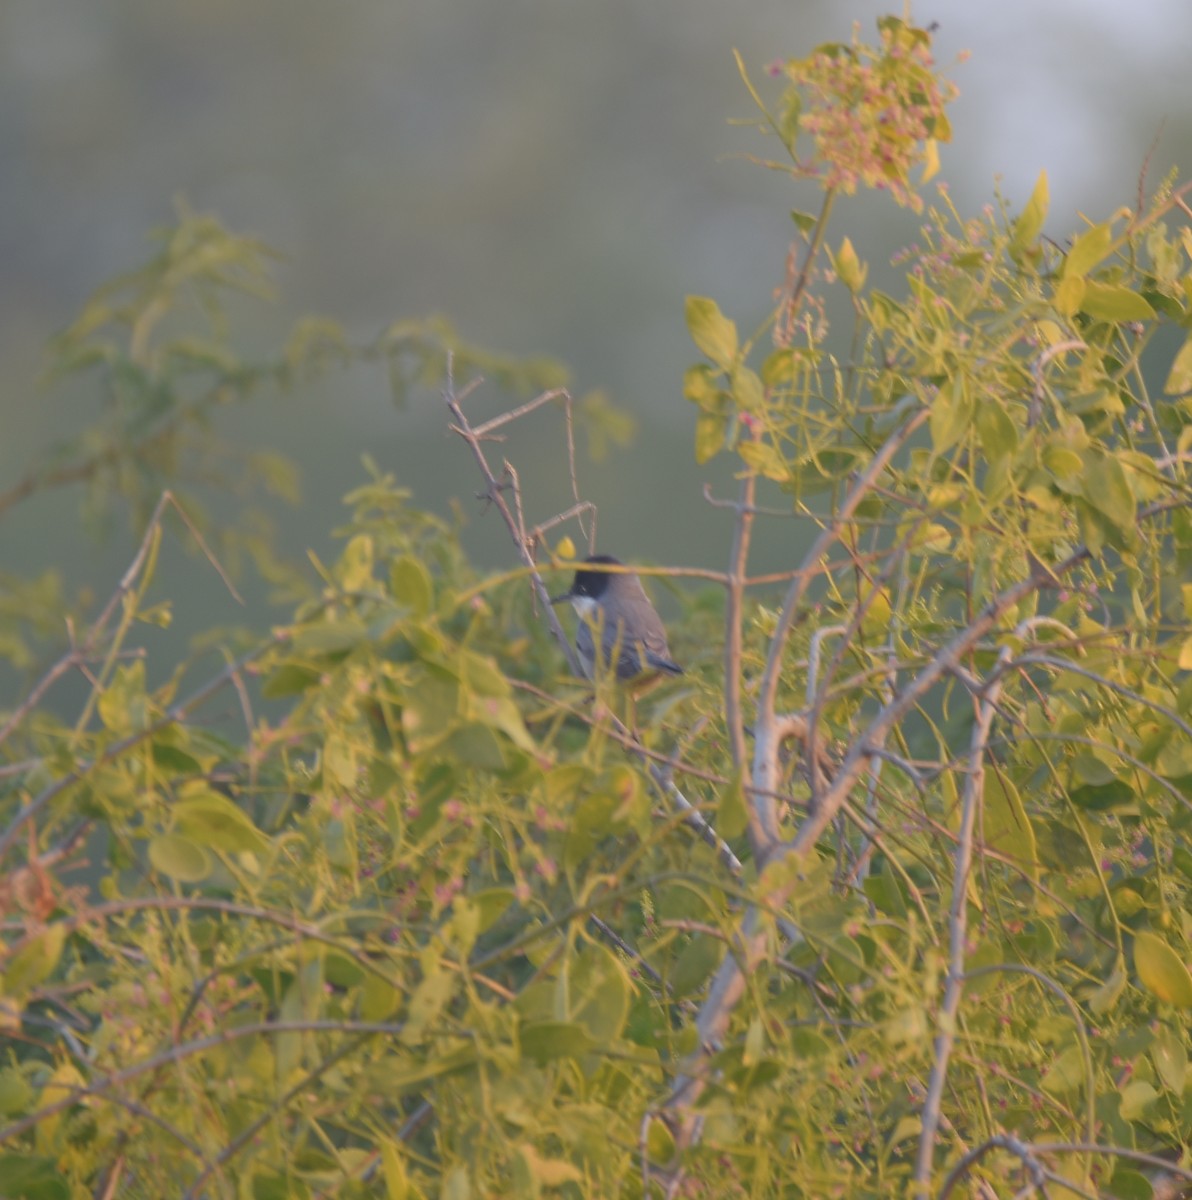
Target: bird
[{"x": 613, "y": 606}]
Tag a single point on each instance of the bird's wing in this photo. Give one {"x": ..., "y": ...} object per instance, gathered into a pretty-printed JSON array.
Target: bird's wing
[{"x": 648, "y": 652}]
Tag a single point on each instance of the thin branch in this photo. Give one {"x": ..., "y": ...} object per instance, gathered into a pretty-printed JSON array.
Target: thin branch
[
  {"x": 172, "y": 716},
  {"x": 494, "y": 494},
  {"x": 765, "y": 756},
  {"x": 957, "y": 924},
  {"x": 184, "y": 1050},
  {"x": 733, "y": 620}
]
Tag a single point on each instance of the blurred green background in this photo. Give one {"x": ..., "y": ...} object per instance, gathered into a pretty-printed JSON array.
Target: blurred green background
[{"x": 553, "y": 176}]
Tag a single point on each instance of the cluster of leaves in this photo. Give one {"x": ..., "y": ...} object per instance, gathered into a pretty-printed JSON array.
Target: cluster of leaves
[{"x": 431, "y": 925}]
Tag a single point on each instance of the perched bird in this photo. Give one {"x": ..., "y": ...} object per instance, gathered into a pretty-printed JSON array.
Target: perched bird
[{"x": 614, "y": 607}]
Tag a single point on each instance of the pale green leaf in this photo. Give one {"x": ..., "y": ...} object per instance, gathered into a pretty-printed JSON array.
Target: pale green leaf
[
  {"x": 1161, "y": 970},
  {"x": 711, "y": 330},
  {"x": 179, "y": 858},
  {"x": 1030, "y": 223}
]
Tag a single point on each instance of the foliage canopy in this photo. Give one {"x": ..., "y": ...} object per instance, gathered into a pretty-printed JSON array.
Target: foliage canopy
[{"x": 889, "y": 895}]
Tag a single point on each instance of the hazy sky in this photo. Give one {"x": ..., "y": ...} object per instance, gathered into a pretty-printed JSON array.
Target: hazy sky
[{"x": 554, "y": 175}]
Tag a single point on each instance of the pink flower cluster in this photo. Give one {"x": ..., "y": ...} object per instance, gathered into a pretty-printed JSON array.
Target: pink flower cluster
[{"x": 870, "y": 112}]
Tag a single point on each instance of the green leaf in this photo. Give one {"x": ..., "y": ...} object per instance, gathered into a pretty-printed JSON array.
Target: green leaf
[
  {"x": 1127, "y": 1183},
  {"x": 712, "y": 331},
  {"x": 1136, "y": 1097},
  {"x": 998, "y": 433},
  {"x": 456, "y": 1185},
  {"x": 732, "y": 816},
  {"x": 174, "y": 759},
  {"x": 697, "y": 960},
  {"x": 1103, "y": 797},
  {"x": 15, "y": 1092},
  {"x": 211, "y": 819},
  {"x": 701, "y": 388},
  {"x": 1007, "y": 827},
  {"x": 330, "y": 637},
  {"x": 747, "y": 390},
  {"x": 1161, "y": 970},
  {"x": 122, "y": 705},
  {"x": 355, "y": 568},
  {"x": 804, "y": 222},
  {"x": 34, "y": 962},
  {"x": 1179, "y": 378},
  {"x": 1112, "y": 302},
  {"x": 180, "y": 858},
  {"x": 763, "y": 458},
  {"x": 709, "y": 435},
  {"x": 429, "y": 999},
  {"x": 545, "y": 1041},
  {"x": 429, "y": 708},
  {"x": 1087, "y": 251},
  {"x": 393, "y": 1171},
  {"x": 1104, "y": 998},
  {"x": 1069, "y": 294},
  {"x": 476, "y": 745},
  {"x": 548, "y": 1172},
  {"x": 1107, "y": 489},
  {"x": 410, "y": 585},
  {"x": 1030, "y": 223},
  {"x": 599, "y": 993},
  {"x": 1170, "y": 1059},
  {"x": 849, "y": 267},
  {"x": 32, "y": 1177},
  {"x": 1066, "y": 1073},
  {"x": 951, "y": 415}
]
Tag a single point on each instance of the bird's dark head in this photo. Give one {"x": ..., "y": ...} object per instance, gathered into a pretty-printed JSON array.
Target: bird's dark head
[{"x": 590, "y": 585}]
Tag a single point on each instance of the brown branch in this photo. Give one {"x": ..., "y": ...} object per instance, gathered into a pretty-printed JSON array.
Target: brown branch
[
  {"x": 733, "y": 619},
  {"x": 494, "y": 494},
  {"x": 80, "y": 651}
]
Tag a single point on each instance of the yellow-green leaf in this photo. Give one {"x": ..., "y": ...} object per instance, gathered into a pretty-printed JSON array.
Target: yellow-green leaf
[
  {"x": 709, "y": 435},
  {"x": 765, "y": 460},
  {"x": 747, "y": 390},
  {"x": 1069, "y": 294},
  {"x": 1179, "y": 378},
  {"x": 410, "y": 585},
  {"x": 35, "y": 961},
  {"x": 179, "y": 858},
  {"x": 951, "y": 412},
  {"x": 355, "y": 569},
  {"x": 393, "y": 1168},
  {"x": 1007, "y": 827},
  {"x": 1030, "y": 224},
  {"x": 711, "y": 330},
  {"x": 1161, "y": 970},
  {"x": 209, "y": 818},
  {"x": 1087, "y": 251},
  {"x": 1112, "y": 302},
  {"x": 1107, "y": 489},
  {"x": 1066, "y": 1073},
  {"x": 550, "y": 1172},
  {"x": 849, "y": 267}
]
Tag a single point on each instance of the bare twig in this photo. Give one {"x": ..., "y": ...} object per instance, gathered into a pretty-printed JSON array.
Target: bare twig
[
  {"x": 494, "y": 494},
  {"x": 733, "y": 618},
  {"x": 81, "y": 650},
  {"x": 957, "y": 923}
]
